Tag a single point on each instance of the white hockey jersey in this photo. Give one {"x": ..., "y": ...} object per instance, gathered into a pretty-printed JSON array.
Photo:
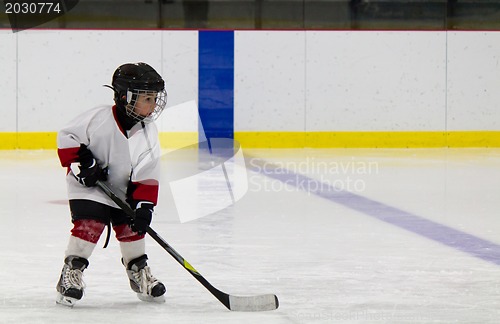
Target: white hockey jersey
[{"x": 133, "y": 157}]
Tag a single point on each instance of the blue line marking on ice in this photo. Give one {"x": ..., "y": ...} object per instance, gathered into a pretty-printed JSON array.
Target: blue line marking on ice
[{"x": 440, "y": 233}]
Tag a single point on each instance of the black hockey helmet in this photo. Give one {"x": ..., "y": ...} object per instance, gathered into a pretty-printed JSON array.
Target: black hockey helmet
[{"x": 132, "y": 79}]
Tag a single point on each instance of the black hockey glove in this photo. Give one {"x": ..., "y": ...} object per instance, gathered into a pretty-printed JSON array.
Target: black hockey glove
[
  {"x": 143, "y": 216},
  {"x": 90, "y": 171}
]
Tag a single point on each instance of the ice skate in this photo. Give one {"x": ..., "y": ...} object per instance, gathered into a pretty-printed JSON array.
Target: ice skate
[
  {"x": 147, "y": 287},
  {"x": 71, "y": 286}
]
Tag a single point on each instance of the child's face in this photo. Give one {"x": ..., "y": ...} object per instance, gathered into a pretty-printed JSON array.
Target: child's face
[{"x": 145, "y": 104}]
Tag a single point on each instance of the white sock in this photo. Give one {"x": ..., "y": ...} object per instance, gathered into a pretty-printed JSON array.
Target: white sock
[
  {"x": 79, "y": 247},
  {"x": 132, "y": 250}
]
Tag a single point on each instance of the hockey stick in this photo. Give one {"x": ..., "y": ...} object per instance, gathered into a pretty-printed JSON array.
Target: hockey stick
[{"x": 234, "y": 303}]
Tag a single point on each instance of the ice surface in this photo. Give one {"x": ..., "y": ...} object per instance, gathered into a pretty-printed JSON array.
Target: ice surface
[{"x": 326, "y": 261}]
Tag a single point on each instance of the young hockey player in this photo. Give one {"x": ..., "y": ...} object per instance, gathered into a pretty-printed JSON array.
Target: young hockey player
[{"x": 119, "y": 144}]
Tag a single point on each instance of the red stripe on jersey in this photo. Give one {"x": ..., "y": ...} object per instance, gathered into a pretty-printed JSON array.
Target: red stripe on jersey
[
  {"x": 125, "y": 234},
  {"x": 146, "y": 190},
  {"x": 88, "y": 230},
  {"x": 68, "y": 155}
]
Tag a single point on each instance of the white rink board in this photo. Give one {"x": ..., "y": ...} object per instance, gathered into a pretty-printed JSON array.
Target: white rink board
[
  {"x": 392, "y": 81},
  {"x": 8, "y": 81},
  {"x": 284, "y": 80},
  {"x": 269, "y": 81},
  {"x": 473, "y": 80},
  {"x": 180, "y": 65},
  {"x": 62, "y": 73}
]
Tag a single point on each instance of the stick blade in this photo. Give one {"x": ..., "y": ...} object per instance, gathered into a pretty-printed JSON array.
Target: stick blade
[{"x": 253, "y": 303}]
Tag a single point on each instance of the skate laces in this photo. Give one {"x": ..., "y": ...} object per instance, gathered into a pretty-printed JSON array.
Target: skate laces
[
  {"x": 73, "y": 278},
  {"x": 146, "y": 280}
]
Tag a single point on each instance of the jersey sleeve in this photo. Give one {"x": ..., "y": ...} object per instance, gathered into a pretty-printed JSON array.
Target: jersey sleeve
[
  {"x": 75, "y": 137},
  {"x": 71, "y": 139}
]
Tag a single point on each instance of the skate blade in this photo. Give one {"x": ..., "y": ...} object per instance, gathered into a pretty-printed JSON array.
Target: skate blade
[
  {"x": 65, "y": 301},
  {"x": 151, "y": 299}
]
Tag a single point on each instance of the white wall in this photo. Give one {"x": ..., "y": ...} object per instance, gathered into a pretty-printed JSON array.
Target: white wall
[
  {"x": 473, "y": 80},
  {"x": 62, "y": 73},
  {"x": 284, "y": 80},
  {"x": 391, "y": 81},
  {"x": 269, "y": 82},
  {"x": 8, "y": 81}
]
